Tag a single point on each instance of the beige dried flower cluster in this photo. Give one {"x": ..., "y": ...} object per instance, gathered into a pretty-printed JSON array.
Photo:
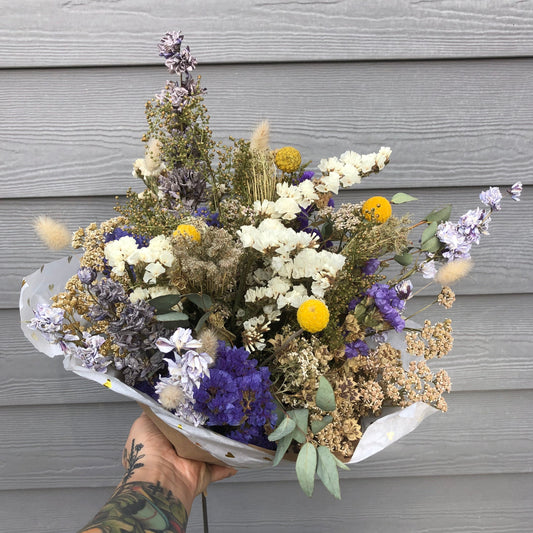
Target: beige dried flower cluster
[
  {"x": 433, "y": 341},
  {"x": 209, "y": 266}
]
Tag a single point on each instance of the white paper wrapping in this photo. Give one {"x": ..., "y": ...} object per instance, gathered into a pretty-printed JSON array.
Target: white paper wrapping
[{"x": 50, "y": 279}]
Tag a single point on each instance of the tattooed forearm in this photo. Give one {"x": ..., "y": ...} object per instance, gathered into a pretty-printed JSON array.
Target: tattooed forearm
[{"x": 138, "y": 507}]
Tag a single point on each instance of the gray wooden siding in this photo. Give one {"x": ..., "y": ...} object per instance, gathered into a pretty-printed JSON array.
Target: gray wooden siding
[{"x": 447, "y": 84}]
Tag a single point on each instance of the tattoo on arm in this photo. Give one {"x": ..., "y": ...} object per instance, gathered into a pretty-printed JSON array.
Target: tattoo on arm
[{"x": 138, "y": 507}]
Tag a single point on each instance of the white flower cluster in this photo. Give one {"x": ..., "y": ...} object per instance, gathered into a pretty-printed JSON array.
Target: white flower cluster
[
  {"x": 157, "y": 256},
  {"x": 151, "y": 166},
  {"x": 290, "y": 199},
  {"x": 349, "y": 168}
]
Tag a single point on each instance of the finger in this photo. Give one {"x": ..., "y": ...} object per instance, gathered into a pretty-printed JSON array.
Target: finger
[{"x": 219, "y": 472}]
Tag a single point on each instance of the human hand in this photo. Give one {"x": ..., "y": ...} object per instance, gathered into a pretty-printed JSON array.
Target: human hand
[{"x": 149, "y": 456}]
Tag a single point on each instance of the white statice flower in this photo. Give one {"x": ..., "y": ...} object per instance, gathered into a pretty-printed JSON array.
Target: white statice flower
[
  {"x": 282, "y": 266},
  {"x": 139, "y": 293},
  {"x": 428, "y": 269},
  {"x": 286, "y": 208},
  {"x": 332, "y": 164},
  {"x": 328, "y": 183},
  {"x": 294, "y": 298},
  {"x": 151, "y": 166},
  {"x": 308, "y": 193},
  {"x": 310, "y": 263},
  {"x": 265, "y": 208},
  {"x": 117, "y": 252},
  {"x": 253, "y": 334},
  {"x": 351, "y": 158},
  {"x": 272, "y": 313},
  {"x": 152, "y": 272}
]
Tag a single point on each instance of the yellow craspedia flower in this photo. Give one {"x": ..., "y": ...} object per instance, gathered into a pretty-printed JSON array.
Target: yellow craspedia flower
[
  {"x": 313, "y": 315},
  {"x": 288, "y": 159},
  {"x": 188, "y": 230},
  {"x": 377, "y": 208}
]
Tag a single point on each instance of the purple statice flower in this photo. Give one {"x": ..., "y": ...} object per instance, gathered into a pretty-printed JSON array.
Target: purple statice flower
[
  {"x": 458, "y": 238},
  {"x": 135, "y": 332},
  {"x": 388, "y": 303},
  {"x": 170, "y": 43},
  {"x": 354, "y": 349},
  {"x": 236, "y": 393},
  {"x": 307, "y": 175},
  {"x": 89, "y": 354},
  {"x": 371, "y": 267},
  {"x": 175, "y": 94},
  {"x": 211, "y": 218},
  {"x": 86, "y": 275},
  {"x": 515, "y": 191},
  {"x": 48, "y": 320},
  {"x": 404, "y": 289},
  {"x": 183, "y": 187},
  {"x": 353, "y": 304},
  {"x": 182, "y": 62},
  {"x": 491, "y": 197},
  {"x": 141, "y": 240},
  {"x": 108, "y": 293}
]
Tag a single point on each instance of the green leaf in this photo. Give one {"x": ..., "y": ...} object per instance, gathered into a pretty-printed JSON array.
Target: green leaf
[
  {"x": 301, "y": 417},
  {"x": 431, "y": 245},
  {"x": 203, "y": 301},
  {"x": 429, "y": 232},
  {"x": 440, "y": 215},
  {"x": 340, "y": 464},
  {"x": 327, "y": 230},
  {"x": 359, "y": 310},
  {"x": 404, "y": 259},
  {"x": 285, "y": 427},
  {"x": 327, "y": 471},
  {"x": 281, "y": 449},
  {"x": 306, "y": 468},
  {"x": 201, "y": 322},
  {"x": 318, "y": 425},
  {"x": 325, "y": 397},
  {"x": 173, "y": 316},
  {"x": 402, "y": 198},
  {"x": 163, "y": 304}
]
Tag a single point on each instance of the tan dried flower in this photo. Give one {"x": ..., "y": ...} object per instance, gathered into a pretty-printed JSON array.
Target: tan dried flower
[
  {"x": 260, "y": 137},
  {"x": 453, "y": 271},
  {"x": 446, "y": 298},
  {"x": 53, "y": 233}
]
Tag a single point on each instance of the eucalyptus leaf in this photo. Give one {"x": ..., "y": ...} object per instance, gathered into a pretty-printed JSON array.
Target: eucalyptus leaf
[
  {"x": 402, "y": 198},
  {"x": 325, "y": 397},
  {"x": 285, "y": 427},
  {"x": 173, "y": 316},
  {"x": 431, "y": 245},
  {"x": 440, "y": 215},
  {"x": 201, "y": 322},
  {"x": 281, "y": 449},
  {"x": 429, "y": 232},
  {"x": 301, "y": 417},
  {"x": 203, "y": 301},
  {"x": 306, "y": 468},
  {"x": 340, "y": 464},
  {"x": 327, "y": 471},
  {"x": 404, "y": 259},
  {"x": 318, "y": 425},
  {"x": 327, "y": 230},
  {"x": 163, "y": 304}
]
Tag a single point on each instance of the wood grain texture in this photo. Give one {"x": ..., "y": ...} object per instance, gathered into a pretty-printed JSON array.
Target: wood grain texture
[
  {"x": 79, "y": 445},
  {"x": 462, "y": 504},
  {"x": 449, "y": 123},
  {"x": 502, "y": 260},
  {"x": 491, "y": 351},
  {"x": 110, "y": 32}
]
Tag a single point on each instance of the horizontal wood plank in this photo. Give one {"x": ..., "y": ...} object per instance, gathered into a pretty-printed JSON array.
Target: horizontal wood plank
[
  {"x": 490, "y": 352},
  {"x": 462, "y": 504},
  {"x": 80, "y": 445},
  {"x": 502, "y": 260},
  {"x": 89, "y": 32},
  {"x": 447, "y": 122}
]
